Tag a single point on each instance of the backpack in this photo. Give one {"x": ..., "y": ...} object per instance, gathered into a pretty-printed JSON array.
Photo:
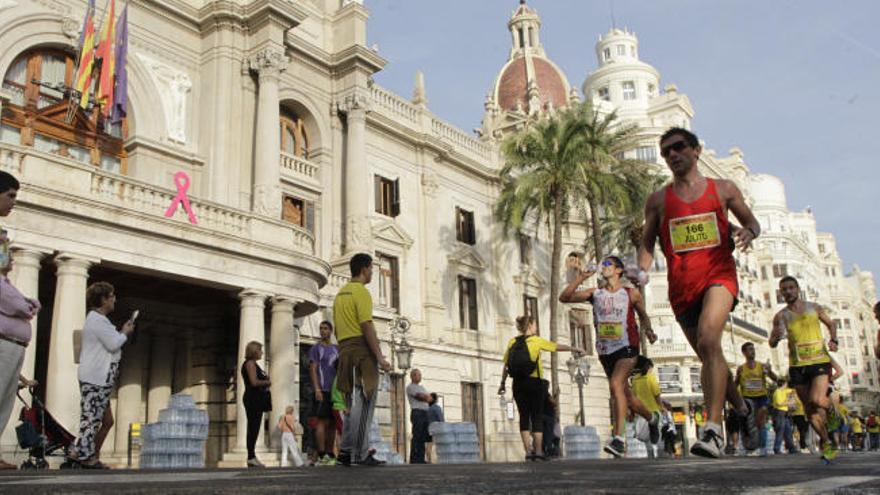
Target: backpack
[
  {"x": 872, "y": 421},
  {"x": 519, "y": 361}
]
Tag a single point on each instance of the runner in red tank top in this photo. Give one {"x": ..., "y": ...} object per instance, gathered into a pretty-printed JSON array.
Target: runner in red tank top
[{"x": 690, "y": 217}]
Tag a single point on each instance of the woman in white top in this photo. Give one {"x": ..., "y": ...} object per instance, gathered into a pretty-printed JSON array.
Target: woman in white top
[{"x": 98, "y": 370}]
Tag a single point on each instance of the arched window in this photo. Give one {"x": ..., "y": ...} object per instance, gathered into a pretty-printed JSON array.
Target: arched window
[
  {"x": 37, "y": 113},
  {"x": 294, "y": 139}
]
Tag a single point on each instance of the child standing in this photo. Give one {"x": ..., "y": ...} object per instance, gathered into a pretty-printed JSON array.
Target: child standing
[{"x": 289, "y": 427}]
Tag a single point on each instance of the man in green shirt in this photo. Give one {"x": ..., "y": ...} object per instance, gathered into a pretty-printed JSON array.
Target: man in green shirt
[{"x": 360, "y": 358}]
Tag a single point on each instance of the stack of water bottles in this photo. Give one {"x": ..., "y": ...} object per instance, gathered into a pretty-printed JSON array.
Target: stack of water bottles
[
  {"x": 456, "y": 443},
  {"x": 581, "y": 442},
  {"x": 382, "y": 448},
  {"x": 636, "y": 448},
  {"x": 177, "y": 440}
]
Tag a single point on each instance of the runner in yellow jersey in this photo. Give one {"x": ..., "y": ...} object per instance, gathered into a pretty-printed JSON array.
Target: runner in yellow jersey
[
  {"x": 751, "y": 379},
  {"x": 809, "y": 361},
  {"x": 799, "y": 418}
]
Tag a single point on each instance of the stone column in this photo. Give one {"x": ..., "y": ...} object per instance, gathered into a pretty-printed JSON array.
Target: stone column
[
  {"x": 130, "y": 391},
  {"x": 69, "y": 314},
  {"x": 358, "y": 182},
  {"x": 252, "y": 327},
  {"x": 283, "y": 359},
  {"x": 161, "y": 369},
  {"x": 25, "y": 276},
  {"x": 268, "y": 63}
]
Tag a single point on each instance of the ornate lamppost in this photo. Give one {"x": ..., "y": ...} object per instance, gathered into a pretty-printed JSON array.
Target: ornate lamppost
[
  {"x": 400, "y": 348},
  {"x": 579, "y": 371}
]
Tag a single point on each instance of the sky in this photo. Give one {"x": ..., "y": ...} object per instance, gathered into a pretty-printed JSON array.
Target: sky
[{"x": 793, "y": 83}]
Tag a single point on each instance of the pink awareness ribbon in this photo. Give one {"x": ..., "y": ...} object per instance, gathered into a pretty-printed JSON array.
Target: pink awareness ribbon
[{"x": 181, "y": 180}]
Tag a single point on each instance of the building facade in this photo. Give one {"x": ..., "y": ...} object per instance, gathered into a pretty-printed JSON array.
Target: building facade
[{"x": 295, "y": 160}]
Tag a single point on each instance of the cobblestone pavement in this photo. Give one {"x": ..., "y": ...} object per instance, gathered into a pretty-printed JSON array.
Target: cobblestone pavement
[{"x": 852, "y": 473}]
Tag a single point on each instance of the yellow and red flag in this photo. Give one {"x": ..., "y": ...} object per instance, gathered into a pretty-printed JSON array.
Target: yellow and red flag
[
  {"x": 83, "y": 79},
  {"x": 107, "y": 53}
]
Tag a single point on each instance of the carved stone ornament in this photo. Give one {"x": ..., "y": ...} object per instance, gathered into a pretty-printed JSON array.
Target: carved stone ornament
[
  {"x": 354, "y": 102},
  {"x": 429, "y": 183},
  {"x": 172, "y": 85},
  {"x": 7, "y": 3},
  {"x": 358, "y": 232},
  {"x": 267, "y": 200},
  {"x": 268, "y": 62},
  {"x": 69, "y": 26}
]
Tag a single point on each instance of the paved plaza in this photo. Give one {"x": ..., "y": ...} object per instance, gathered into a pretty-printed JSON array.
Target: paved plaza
[{"x": 853, "y": 473}]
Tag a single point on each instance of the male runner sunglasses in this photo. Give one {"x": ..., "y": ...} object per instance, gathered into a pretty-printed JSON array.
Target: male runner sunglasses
[
  {"x": 607, "y": 263},
  {"x": 677, "y": 146}
]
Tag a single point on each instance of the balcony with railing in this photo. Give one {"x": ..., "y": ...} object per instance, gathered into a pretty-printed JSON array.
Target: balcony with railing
[
  {"x": 671, "y": 350},
  {"x": 300, "y": 170},
  {"x": 105, "y": 196}
]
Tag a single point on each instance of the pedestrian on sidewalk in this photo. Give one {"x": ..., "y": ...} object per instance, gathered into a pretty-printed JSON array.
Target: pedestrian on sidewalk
[
  {"x": 782, "y": 397},
  {"x": 419, "y": 400},
  {"x": 256, "y": 398},
  {"x": 16, "y": 313},
  {"x": 360, "y": 358},
  {"x": 435, "y": 415},
  {"x": 98, "y": 371},
  {"x": 873, "y": 425},
  {"x": 522, "y": 361},
  {"x": 322, "y": 370},
  {"x": 290, "y": 429}
]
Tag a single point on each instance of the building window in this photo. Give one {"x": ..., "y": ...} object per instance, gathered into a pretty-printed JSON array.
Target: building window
[
  {"x": 629, "y": 90},
  {"x": 767, "y": 302},
  {"x": 467, "y": 303},
  {"x": 822, "y": 248},
  {"x": 298, "y": 211},
  {"x": 530, "y": 308},
  {"x": 779, "y": 298},
  {"x": 389, "y": 281},
  {"x": 780, "y": 270},
  {"x": 294, "y": 139},
  {"x": 847, "y": 323},
  {"x": 647, "y": 154},
  {"x": 579, "y": 330},
  {"x": 464, "y": 226},
  {"x": 604, "y": 94},
  {"x": 696, "y": 385},
  {"x": 621, "y": 49},
  {"x": 606, "y": 53},
  {"x": 387, "y": 196},
  {"x": 37, "y": 115},
  {"x": 763, "y": 273},
  {"x": 525, "y": 249},
  {"x": 836, "y": 324},
  {"x": 669, "y": 380},
  {"x": 632, "y": 51},
  {"x": 652, "y": 90}
]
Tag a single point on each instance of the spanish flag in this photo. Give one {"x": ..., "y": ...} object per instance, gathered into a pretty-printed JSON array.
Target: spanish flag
[
  {"x": 106, "y": 52},
  {"x": 86, "y": 56}
]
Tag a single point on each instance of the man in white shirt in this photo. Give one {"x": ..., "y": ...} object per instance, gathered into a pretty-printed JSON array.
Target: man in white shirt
[{"x": 418, "y": 400}]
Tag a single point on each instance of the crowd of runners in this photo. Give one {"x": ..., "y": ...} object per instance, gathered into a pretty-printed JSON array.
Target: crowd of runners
[{"x": 690, "y": 219}]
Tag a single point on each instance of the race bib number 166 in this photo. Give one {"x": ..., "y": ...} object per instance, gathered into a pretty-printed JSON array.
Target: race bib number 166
[{"x": 694, "y": 232}]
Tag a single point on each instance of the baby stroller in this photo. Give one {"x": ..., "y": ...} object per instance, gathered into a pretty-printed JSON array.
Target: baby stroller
[{"x": 40, "y": 434}]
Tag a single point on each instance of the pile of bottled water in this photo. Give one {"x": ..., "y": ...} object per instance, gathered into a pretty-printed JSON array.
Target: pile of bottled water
[
  {"x": 636, "y": 447},
  {"x": 456, "y": 443},
  {"x": 382, "y": 448},
  {"x": 581, "y": 442},
  {"x": 177, "y": 440}
]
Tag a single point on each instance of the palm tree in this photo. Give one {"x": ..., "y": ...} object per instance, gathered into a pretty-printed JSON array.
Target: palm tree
[
  {"x": 544, "y": 168},
  {"x": 561, "y": 163}
]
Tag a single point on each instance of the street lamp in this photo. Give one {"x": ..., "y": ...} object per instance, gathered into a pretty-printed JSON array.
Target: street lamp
[
  {"x": 579, "y": 371},
  {"x": 400, "y": 326}
]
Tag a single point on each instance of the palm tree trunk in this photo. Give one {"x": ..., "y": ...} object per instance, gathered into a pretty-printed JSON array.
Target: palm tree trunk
[
  {"x": 554, "y": 290},
  {"x": 597, "y": 233}
]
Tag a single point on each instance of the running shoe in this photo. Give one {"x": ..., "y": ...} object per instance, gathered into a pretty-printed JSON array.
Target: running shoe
[
  {"x": 654, "y": 427},
  {"x": 709, "y": 446},
  {"x": 616, "y": 447},
  {"x": 751, "y": 435},
  {"x": 255, "y": 463},
  {"x": 326, "y": 460},
  {"x": 729, "y": 450},
  {"x": 344, "y": 459},
  {"x": 828, "y": 451}
]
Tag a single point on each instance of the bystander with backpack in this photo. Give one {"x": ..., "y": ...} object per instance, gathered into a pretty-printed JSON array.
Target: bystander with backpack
[{"x": 522, "y": 361}]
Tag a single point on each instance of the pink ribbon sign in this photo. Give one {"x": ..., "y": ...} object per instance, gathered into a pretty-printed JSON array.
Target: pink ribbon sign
[{"x": 181, "y": 180}]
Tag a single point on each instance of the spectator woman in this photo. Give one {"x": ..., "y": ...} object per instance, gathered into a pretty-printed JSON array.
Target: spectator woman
[
  {"x": 99, "y": 358},
  {"x": 256, "y": 398}
]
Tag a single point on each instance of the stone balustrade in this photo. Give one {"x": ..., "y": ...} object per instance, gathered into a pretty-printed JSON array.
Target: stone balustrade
[
  {"x": 88, "y": 188},
  {"x": 298, "y": 169}
]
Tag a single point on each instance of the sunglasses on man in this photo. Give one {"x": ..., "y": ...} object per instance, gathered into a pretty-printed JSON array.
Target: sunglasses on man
[{"x": 677, "y": 146}]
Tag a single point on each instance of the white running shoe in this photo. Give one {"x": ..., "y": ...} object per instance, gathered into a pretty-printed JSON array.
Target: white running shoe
[{"x": 711, "y": 445}]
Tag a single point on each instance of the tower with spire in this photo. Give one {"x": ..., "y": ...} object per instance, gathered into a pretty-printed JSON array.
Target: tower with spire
[{"x": 529, "y": 84}]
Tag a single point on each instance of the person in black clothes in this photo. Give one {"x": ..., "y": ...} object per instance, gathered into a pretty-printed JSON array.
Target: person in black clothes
[
  {"x": 551, "y": 408},
  {"x": 257, "y": 399}
]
